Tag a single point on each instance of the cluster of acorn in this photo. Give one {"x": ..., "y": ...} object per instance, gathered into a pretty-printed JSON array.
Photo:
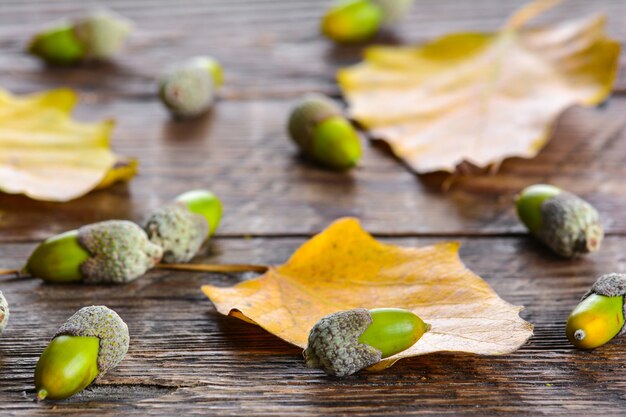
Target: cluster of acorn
[
  {"x": 187, "y": 90},
  {"x": 95, "y": 339}
]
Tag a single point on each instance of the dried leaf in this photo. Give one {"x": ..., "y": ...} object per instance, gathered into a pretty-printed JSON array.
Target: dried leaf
[
  {"x": 480, "y": 97},
  {"x": 47, "y": 155},
  {"x": 344, "y": 268}
]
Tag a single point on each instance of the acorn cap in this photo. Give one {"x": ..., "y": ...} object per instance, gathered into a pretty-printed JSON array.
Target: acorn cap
[
  {"x": 610, "y": 285},
  {"x": 103, "y": 33},
  {"x": 178, "y": 231},
  {"x": 106, "y": 325},
  {"x": 393, "y": 10},
  {"x": 334, "y": 347},
  {"x": 317, "y": 126},
  {"x": 187, "y": 91},
  {"x": 571, "y": 226},
  {"x": 307, "y": 114},
  {"x": 119, "y": 252},
  {"x": 4, "y": 312}
]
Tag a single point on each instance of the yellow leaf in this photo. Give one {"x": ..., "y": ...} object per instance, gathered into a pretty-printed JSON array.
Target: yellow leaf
[
  {"x": 480, "y": 97},
  {"x": 123, "y": 170},
  {"x": 47, "y": 155},
  {"x": 344, "y": 268}
]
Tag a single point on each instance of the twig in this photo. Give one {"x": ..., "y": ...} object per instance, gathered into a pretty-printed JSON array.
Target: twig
[{"x": 215, "y": 268}]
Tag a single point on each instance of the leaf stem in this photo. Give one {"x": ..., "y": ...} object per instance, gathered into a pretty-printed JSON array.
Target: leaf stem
[{"x": 215, "y": 268}]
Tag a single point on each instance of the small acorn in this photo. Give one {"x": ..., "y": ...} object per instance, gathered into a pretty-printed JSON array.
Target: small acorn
[
  {"x": 350, "y": 21},
  {"x": 323, "y": 134},
  {"x": 97, "y": 36},
  {"x": 563, "y": 221},
  {"x": 188, "y": 90},
  {"x": 345, "y": 342},
  {"x": 114, "y": 251},
  {"x": 182, "y": 227},
  {"x": 90, "y": 343},
  {"x": 599, "y": 317},
  {"x": 4, "y": 312}
]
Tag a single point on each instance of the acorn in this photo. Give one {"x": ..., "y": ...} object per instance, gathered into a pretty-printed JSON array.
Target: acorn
[
  {"x": 97, "y": 36},
  {"x": 182, "y": 227},
  {"x": 4, "y": 312},
  {"x": 564, "y": 222},
  {"x": 599, "y": 316},
  {"x": 345, "y": 342},
  {"x": 90, "y": 343},
  {"x": 351, "y": 21},
  {"x": 114, "y": 251},
  {"x": 323, "y": 134},
  {"x": 189, "y": 89}
]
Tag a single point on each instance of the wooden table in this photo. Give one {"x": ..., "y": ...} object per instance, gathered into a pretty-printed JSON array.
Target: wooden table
[{"x": 185, "y": 358}]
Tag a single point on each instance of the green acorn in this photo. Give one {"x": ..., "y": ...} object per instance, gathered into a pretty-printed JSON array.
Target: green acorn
[
  {"x": 189, "y": 89},
  {"x": 345, "y": 342},
  {"x": 322, "y": 133},
  {"x": 4, "y": 312},
  {"x": 563, "y": 221},
  {"x": 113, "y": 251},
  {"x": 90, "y": 343},
  {"x": 182, "y": 227},
  {"x": 599, "y": 317},
  {"x": 97, "y": 36},
  {"x": 350, "y": 21}
]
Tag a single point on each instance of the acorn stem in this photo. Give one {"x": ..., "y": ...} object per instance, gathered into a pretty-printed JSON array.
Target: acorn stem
[
  {"x": 9, "y": 272},
  {"x": 215, "y": 268},
  {"x": 42, "y": 394}
]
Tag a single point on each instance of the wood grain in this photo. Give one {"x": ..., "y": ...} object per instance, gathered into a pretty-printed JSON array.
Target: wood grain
[
  {"x": 185, "y": 359},
  {"x": 242, "y": 153}
]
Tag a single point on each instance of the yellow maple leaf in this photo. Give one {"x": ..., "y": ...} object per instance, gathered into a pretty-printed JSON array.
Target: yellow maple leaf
[
  {"x": 46, "y": 155},
  {"x": 344, "y": 268},
  {"x": 480, "y": 97}
]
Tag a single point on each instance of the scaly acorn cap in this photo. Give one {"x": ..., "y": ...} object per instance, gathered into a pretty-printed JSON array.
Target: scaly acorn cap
[
  {"x": 350, "y": 21},
  {"x": 610, "y": 285},
  {"x": 323, "y": 134},
  {"x": 183, "y": 226},
  {"x": 178, "y": 231},
  {"x": 107, "y": 326},
  {"x": 4, "y": 312},
  {"x": 103, "y": 33},
  {"x": 188, "y": 90},
  {"x": 120, "y": 252},
  {"x": 334, "y": 343},
  {"x": 99, "y": 36},
  {"x": 567, "y": 224},
  {"x": 393, "y": 10}
]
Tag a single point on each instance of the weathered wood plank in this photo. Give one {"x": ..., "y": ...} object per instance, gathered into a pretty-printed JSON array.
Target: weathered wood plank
[
  {"x": 269, "y": 49},
  {"x": 186, "y": 359},
  {"x": 242, "y": 152}
]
